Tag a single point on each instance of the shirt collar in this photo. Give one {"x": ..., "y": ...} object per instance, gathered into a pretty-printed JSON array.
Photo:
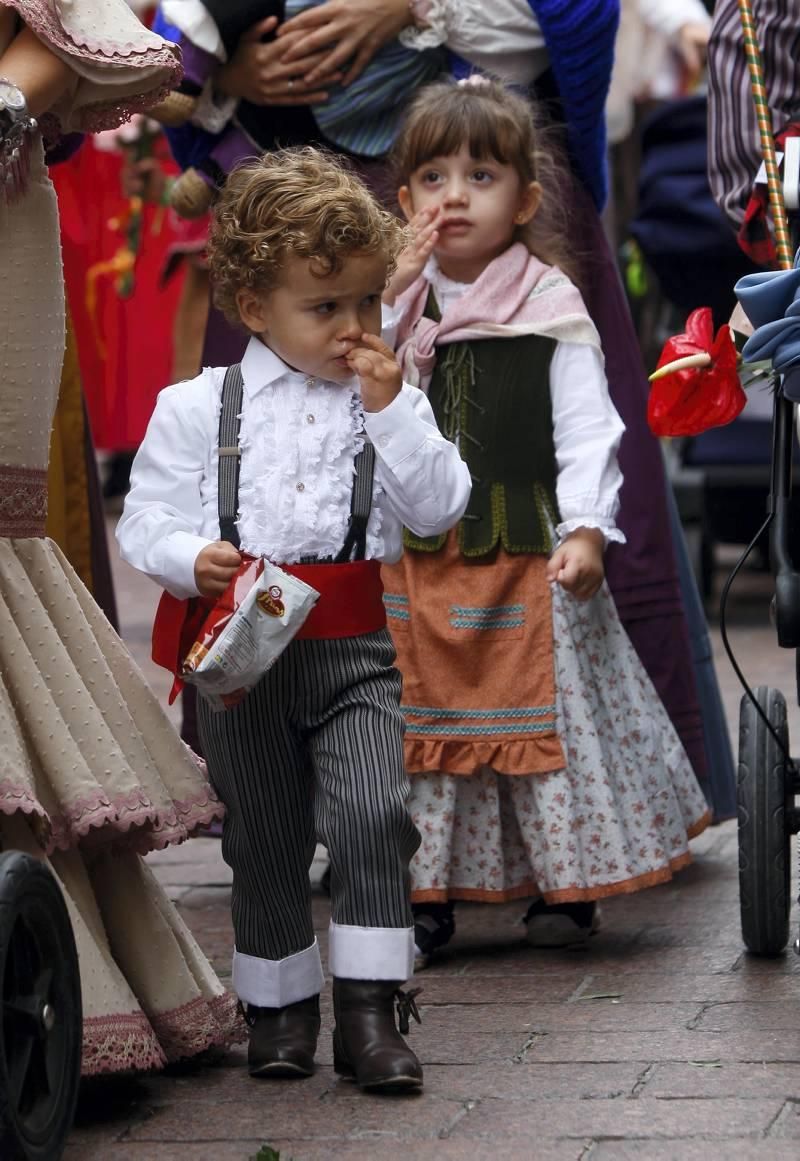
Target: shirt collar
[{"x": 261, "y": 367}]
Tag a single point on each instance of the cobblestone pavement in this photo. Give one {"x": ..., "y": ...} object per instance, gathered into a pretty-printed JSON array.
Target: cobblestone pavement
[{"x": 662, "y": 1041}]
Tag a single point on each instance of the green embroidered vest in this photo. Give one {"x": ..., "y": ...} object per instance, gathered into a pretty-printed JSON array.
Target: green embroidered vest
[{"x": 492, "y": 397}]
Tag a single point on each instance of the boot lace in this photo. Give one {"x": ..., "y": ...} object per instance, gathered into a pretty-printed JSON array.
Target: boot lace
[{"x": 407, "y": 1006}]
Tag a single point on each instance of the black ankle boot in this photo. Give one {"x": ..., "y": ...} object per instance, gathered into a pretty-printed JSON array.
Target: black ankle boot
[
  {"x": 283, "y": 1040},
  {"x": 366, "y": 1043}
]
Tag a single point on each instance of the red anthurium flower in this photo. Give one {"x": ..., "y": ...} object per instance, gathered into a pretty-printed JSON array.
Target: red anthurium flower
[{"x": 688, "y": 400}]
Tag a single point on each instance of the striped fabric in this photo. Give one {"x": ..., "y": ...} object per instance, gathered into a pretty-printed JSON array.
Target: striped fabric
[
  {"x": 365, "y": 117},
  {"x": 315, "y": 751},
  {"x": 734, "y": 152},
  {"x": 487, "y": 617}
]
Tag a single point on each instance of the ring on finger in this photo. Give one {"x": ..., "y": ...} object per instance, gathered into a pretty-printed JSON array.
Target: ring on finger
[{"x": 290, "y": 84}]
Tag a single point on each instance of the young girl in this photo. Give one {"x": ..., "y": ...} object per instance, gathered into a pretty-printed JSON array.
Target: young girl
[{"x": 543, "y": 763}]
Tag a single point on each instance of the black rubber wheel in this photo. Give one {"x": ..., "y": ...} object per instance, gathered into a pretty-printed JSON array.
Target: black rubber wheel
[
  {"x": 763, "y": 795},
  {"x": 41, "y": 1024}
]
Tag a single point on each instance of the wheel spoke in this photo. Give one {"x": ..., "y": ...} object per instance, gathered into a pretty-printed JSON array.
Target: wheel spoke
[{"x": 18, "y": 1069}]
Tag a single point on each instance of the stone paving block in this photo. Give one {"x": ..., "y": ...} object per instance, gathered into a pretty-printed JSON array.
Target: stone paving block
[
  {"x": 766, "y": 1015},
  {"x": 534, "y": 1082},
  {"x": 788, "y": 1122},
  {"x": 670, "y": 987},
  {"x": 452, "y": 989},
  {"x": 703, "y": 1150},
  {"x": 150, "y": 1151},
  {"x": 757, "y": 1079},
  {"x": 621, "y": 1118},
  {"x": 512, "y": 1149},
  {"x": 340, "y": 1113},
  {"x": 680, "y": 1046}
]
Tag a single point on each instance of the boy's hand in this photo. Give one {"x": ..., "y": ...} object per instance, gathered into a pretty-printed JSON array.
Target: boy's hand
[
  {"x": 411, "y": 262},
  {"x": 214, "y": 566},
  {"x": 577, "y": 564},
  {"x": 378, "y": 370}
]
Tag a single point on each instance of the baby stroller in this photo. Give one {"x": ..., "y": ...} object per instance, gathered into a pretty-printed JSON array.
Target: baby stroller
[{"x": 41, "y": 1020}]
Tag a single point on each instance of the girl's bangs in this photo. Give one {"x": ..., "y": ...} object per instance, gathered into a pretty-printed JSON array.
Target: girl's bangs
[{"x": 441, "y": 132}]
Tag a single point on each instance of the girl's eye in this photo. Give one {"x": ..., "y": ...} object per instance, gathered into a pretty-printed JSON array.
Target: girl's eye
[
  {"x": 482, "y": 176},
  {"x": 371, "y": 299},
  {"x": 431, "y": 177},
  {"x": 325, "y": 308}
]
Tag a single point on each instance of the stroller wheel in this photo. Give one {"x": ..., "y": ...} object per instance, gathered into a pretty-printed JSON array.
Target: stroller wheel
[
  {"x": 764, "y": 793},
  {"x": 40, "y": 1025}
]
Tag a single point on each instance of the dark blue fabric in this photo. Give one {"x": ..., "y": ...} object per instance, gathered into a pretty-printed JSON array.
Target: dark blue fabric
[
  {"x": 188, "y": 144},
  {"x": 580, "y": 36},
  {"x": 680, "y": 229}
]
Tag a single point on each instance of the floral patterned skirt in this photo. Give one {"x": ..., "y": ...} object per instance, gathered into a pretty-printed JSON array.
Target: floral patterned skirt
[{"x": 615, "y": 819}]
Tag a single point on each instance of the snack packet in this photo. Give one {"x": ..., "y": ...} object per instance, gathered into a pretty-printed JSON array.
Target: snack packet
[{"x": 246, "y": 631}]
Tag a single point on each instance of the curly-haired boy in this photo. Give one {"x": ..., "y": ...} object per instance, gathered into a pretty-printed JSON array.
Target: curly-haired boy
[{"x": 335, "y": 454}]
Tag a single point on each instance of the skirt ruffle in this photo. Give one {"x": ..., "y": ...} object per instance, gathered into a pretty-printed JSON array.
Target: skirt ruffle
[
  {"x": 616, "y": 819},
  {"x": 86, "y": 751}
]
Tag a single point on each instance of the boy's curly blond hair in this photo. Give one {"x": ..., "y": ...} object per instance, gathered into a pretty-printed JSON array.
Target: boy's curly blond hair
[{"x": 299, "y": 203}]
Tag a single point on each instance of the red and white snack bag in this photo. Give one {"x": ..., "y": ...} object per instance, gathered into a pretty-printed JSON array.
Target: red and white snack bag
[{"x": 246, "y": 631}]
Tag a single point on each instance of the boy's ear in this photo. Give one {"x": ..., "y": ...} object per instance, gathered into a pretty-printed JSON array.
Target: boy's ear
[
  {"x": 404, "y": 198},
  {"x": 252, "y": 310},
  {"x": 529, "y": 203}
]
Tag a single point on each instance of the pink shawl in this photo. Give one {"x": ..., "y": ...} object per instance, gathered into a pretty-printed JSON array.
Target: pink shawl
[{"x": 515, "y": 295}]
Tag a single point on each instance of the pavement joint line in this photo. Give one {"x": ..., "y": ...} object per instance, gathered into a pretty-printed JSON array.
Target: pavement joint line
[
  {"x": 466, "y": 1108},
  {"x": 521, "y": 1056},
  {"x": 581, "y": 988},
  {"x": 784, "y": 1109},
  {"x": 642, "y": 1080},
  {"x": 693, "y": 1024}
]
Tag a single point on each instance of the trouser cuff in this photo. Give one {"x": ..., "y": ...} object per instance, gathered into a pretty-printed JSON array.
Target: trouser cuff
[
  {"x": 371, "y": 953},
  {"x": 274, "y": 983}
]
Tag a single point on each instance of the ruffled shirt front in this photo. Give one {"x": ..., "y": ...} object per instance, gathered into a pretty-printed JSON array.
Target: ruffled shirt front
[{"x": 299, "y": 439}]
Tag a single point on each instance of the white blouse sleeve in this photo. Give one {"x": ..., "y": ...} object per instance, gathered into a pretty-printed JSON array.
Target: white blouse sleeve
[
  {"x": 502, "y": 38},
  {"x": 669, "y": 16},
  {"x": 587, "y": 432}
]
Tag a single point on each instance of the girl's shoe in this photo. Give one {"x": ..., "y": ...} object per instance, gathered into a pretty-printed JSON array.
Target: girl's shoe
[
  {"x": 434, "y": 926},
  {"x": 560, "y": 924}
]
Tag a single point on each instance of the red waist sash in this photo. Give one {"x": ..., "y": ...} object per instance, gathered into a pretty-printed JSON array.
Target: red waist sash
[{"x": 350, "y": 604}]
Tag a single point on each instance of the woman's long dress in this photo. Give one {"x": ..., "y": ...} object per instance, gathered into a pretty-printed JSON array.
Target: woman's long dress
[{"x": 92, "y": 774}]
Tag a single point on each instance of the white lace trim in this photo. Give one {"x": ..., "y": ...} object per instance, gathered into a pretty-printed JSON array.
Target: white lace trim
[
  {"x": 297, "y": 476},
  {"x": 436, "y": 30},
  {"x": 213, "y": 110}
]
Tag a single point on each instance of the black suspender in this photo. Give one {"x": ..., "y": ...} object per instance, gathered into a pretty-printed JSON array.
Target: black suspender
[{"x": 230, "y": 421}]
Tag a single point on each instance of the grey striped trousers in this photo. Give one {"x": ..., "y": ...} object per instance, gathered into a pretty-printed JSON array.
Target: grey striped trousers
[{"x": 314, "y": 751}]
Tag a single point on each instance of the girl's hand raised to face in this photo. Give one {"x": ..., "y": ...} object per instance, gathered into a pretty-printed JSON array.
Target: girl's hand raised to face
[
  {"x": 378, "y": 371},
  {"x": 577, "y": 564},
  {"x": 411, "y": 263}
]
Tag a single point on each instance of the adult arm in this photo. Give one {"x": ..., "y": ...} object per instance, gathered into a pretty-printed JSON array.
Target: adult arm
[
  {"x": 88, "y": 64},
  {"x": 734, "y": 152},
  {"x": 42, "y": 76}
]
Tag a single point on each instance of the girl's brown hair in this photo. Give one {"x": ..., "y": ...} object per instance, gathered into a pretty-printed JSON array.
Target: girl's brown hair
[{"x": 493, "y": 122}]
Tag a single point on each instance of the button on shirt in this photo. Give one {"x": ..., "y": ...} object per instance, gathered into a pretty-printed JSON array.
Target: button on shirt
[{"x": 299, "y": 438}]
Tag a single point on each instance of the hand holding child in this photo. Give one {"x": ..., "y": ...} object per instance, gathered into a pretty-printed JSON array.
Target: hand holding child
[
  {"x": 577, "y": 564},
  {"x": 214, "y": 567},
  {"x": 378, "y": 370},
  {"x": 411, "y": 262}
]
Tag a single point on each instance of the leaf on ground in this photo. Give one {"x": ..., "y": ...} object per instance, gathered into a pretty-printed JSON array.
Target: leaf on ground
[
  {"x": 601, "y": 996},
  {"x": 705, "y": 1063},
  {"x": 266, "y": 1153}
]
